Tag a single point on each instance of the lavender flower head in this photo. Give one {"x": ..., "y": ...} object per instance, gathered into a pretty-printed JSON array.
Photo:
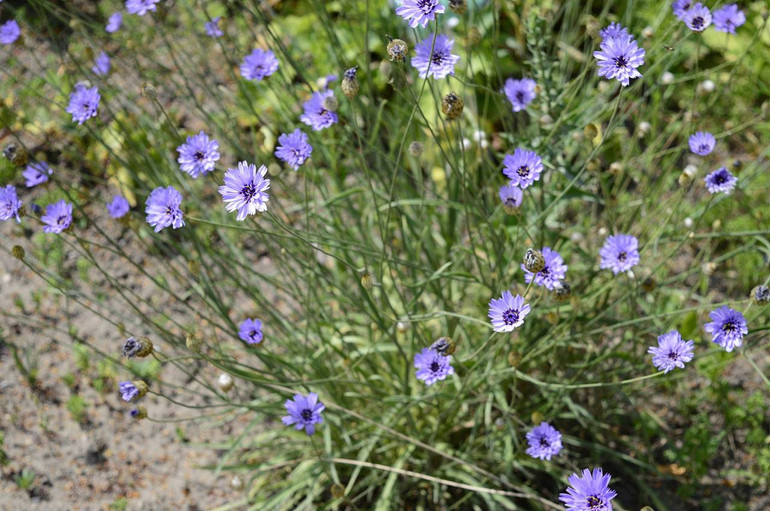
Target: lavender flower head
[
  {"x": 721, "y": 180},
  {"x": 702, "y": 143},
  {"x": 591, "y": 492},
  {"x": 520, "y": 92},
  {"x": 198, "y": 155},
  {"x": 141, "y": 7},
  {"x": 419, "y": 12},
  {"x": 304, "y": 412},
  {"x": 128, "y": 391},
  {"x": 84, "y": 103},
  {"x": 728, "y": 18},
  {"x": 114, "y": 22},
  {"x": 9, "y": 203},
  {"x": 432, "y": 366},
  {"x": 523, "y": 167},
  {"x": 251, "y": 331},
  {"x": 620, "y": 253},
  {"x": 101, "y": 64},
  {"x": 118, "y": 207},
  {"x": 57, "y": 217},
  {"x": 614, "y": 30},
  {"x": 544, "y": 441},
  {"x": 727, "y": 328},
  {"x": 697, "y": 18},
  {"x": 681, "y": 7},
  {"x": 553, "y": 272},
  {"x": 294, "y": 148},
  {"x": 162, "y": 208},
  {"x": 511, "y": 195},
  {"x": 259, "y": 64},
  {"x": 315, "y": 115},
  {"x": 440, "y": 63},
  {"x": 672, "y": 351},
  {"x": 36, "y": 173},
  {"x": 9, "y": 32},
  {"x": 619, "y": 58},
  {"x": 212, "y": 28},
  {"x": 245, "y": 189},
  {"x": 507, "y": 312}
]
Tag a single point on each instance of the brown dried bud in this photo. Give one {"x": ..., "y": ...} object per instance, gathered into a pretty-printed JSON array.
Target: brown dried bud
[
  {"x": 193, "y": 343},
  {"x": 366, "y": 280},
  {"x": 133, "y": 348},
  {"x": 452, "y": 106},
  {"x": 16, "y": 154},
  {"x": 148, "y": 91},
  {"x": 350, "y": 83},
  {"x": 444, "y": 345},
  {"x": 397, "y": 50},
  {"x": 760, "y": 295},
  {"x": 415, "y": 149},
  {"x": 458, "y": 6},
  {"x": 534, "y": 260},
  {"x": 17, "y": 252},
  {"x": 139, "y": 413},
  {"x": 337, "y": 491},
  {"x": 562, "y": 291},
  {"x": 514, "y": 358}
]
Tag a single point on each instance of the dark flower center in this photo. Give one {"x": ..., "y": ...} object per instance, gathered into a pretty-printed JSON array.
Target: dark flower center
[
  {"x": 248, "y": 192},
  {"x": 720, "y": 179},
  {"x": 544, "y": 271},
  {"x": 510, "y": 202},
  {"x": 86, "y": 106},
  {"x": 198, "y": 155},
  {"x": 510, "y": 316},
  {"x": 307, "y": 414},
  {"x": 544, "y": 442},
  {"x": 621, "y": 61},
  {"x": 434, "y": 367},
  {"x": 425, "y": 6},
  {"x": 703, "y": 148},
  {"x": 594, "y": 502},
  {"x": 622, "y": 256},
  {"x": 697, "y": 22},
  {"x": 253, "y": 333},
  {"x": 523, "y": 171},
  {"x": 61, "y": 219},
  {"x": 673, "y": 355},
  {"x": 520, "y": 96},
  {"x": 729, "y": 327},
  {"x": 438, "y": 59}
]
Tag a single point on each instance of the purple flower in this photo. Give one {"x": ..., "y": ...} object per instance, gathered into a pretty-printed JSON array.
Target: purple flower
[
  {"x": 118, "y": 207},
  {"x": 619, "y": 57},
  {"x": 259, "y": 64},
  {"x": 315, "y": 115},
  {"x": 440, "y": 63},
  {"x": 419, "y": 12},
  {"x": 245, "y": 189},
  {"x": 128, "y": 390},
  {"x": 162, "y": 208},
  {"x": 553, "y": 272},
  {"x": 114, "y": 22},
  {"x": 36, "y": 173},
  {"x": 511, "y": 195},
  {"x": 672, "y": 351},
  {"x": 728, "y": 18},
  {"x": 57, "y": 217},
  {"x": 198, "y": 155},
  {"x": 9, "y": 32},
  {"x": 304, "y": 412},
  {"x": 294, "y": 148},
  {"x": 520, "y": 92},
  {"x": 101, "y": 64},
  {"x": 721, "y": 180},
  {"x": 141, "y": 7},
  {"x": 83, "y": 103},
  {"x": 544, "y": 441},
  {"x": 523, "y": 167},
  {"x": 614, "y": 30},
  {"x": 9, "y": 203},
  {"x": 251, "y": 331},
  {"x": 620, "y": 253},
  {"x": 728, "y": 328},
  {"x": 432, "y": 366},
  {"x": 697, "y": 17},
  {"x": 681, "y": 7},
  {"x": 702, "y": 143},
  {"x": 589, "y": 493},
  {"x": 507, "y": 313},
  {"x": 212, "y": 28}
]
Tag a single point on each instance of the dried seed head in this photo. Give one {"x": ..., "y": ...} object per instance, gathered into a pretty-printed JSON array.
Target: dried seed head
[
  {"x": 458, "y": 6},
  {"x": 415, "y": 149},
  {"x": 133, "y": 348},
  {"x": 141, "y": 388},
  {"x": 537, "y": 417},
  {"x": 138, "y": 413},
  {"x": 534, "y": 260},
  {"x": 444, "y": 345},
  {"x": 402, "y": 327},
  {"x": 350, "y": 83},
  {"x": 452, "y": 106},
  {"x": 397, "y": 50},
  {"x": 331, "y": 104},
  {"x": 562, "y": 291},
  {"x": 225, "y": 382},
  {"x": 366, "y": 280},
  {"x": 474, "y": 35},
  {"x": 17, "y": 252},
  {"x": 760, "y": 295},
  {"x": 616, "y": 168},
  {"x": 649, "y": 284},
  {"x": 16, "y": 154},
  {"x": 148, "y": 91},
  {"x": 193, "y": 343},
  {"x": 337, "y": 491}
]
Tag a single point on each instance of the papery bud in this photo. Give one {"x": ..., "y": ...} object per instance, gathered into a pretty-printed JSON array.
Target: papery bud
[
  {"x": 649, "y": 284},
  {"x": 337, "y": 491},
  {"x": 444, "y": 345},
  {"x": 16, "y": 154},
  {"x": 193, "y": 343},
  {"x": 514, "y": 358},
  {"x": 667, "y": 78},
  {"x": 458, "y": 6},
  {"x": 534, "y": 260},
  {"x": 236, "y": 483},
  {"x": 616, "y": 168},
  {"x": 644, "y": 128},
  {"x": 366, "y": 280},
  {"x": 17, "y": 252},
  {"x": 148, "y": 91},
  {"x": 133, "y": 348},
  {"x": 350, "y": 83},
  {"x": 562, "y": 291},
  {"x": 225, "y": 382},
  {"x": 760, "y": 295},
  {"x": 397, "y": 50},
  {"x": 415, "y": 149},
  {"x": 648, "y": 32},
  {"x": 138, "y": 413},
  {"x": 452, "y": 106}
]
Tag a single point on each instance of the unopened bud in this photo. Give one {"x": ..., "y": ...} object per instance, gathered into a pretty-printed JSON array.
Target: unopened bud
[
  {"x": 402, "y": 327},
  {"x": 644, "y": 128},
  {"x": 458, "y": 6},
  {"x": 236, "y": 483},
  {"x": 17, "y": 252},
  {"x": 648, "y": 32},
  {"x": 591, "y": 131},
  {"x": 534, "y": 260},
  {"x": 16, "y": 154},
  {"x": 514, "y": 358},
  {"x": 137, "y": 348},
  {"x": 350, "y": 83},
  {"x": 138, "y": 413},
  {"x": 193, "y": 343},
  {"x": 415, "y": 149},
  {"x": 667, "y": 78},
  {"x": 225, "y": 382},
  {"x": 760, "y": 295},
  {"x": 616, "y": 168},
  {"x": 452, "y": 106},
  {"x": 706, "y": 86},
  {"x": 148, "y": 91},
  {"x": 331, "y": 104},
  {"x": 337, "y": 491},
  {"x": 562, "y": 291},
  {"x": 366, "y": 280},
  {"x": 444, "y": 345},
  {"x": 397, "y": 50}
]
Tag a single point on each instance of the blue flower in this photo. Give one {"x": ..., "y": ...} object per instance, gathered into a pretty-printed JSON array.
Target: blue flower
[
  {"x": 728, "y": 328},
  {"x": 591, "y": 492},
  {"x": 101, "y": 64},
  {"x": 162, "y": 208},
  {"x": 552, "y": 273},
  {"x": 721, "y": 180},
  {"x": 9, "y": 32},
  {"x": 114, "y": 22},
  {"x": 680, "y": 7},
  {"x": 36, "y": 173},
  {"x": 198, "y": 155},
  {"x": 84, "y": 103},
  {"x": 245, "y": 189},
  {"x": 9, "y": 203},
  {"x": 212, "y": 28},
  {"x": 702, "y": 143},
  {"x": 294, "y": 148},
  {"x": 118, "y": 207},
  {"x": 620, "y": 253},
  {"x": 520, "y": 92},
  {"x": 618, "y": 58},
  {"x": 697, "y": 18},
  {"x": 511, "y": 195},
  {"x": 672, "y": 351},
  {"x": 259, "y": 64},
  {"x": 507, "y": 312},
  {"x": 57, "y": 217},
  {"x": 251, "y": 331},
  {"x": 544, "y": 441},
  {"x": 315, "y": 114},
  {"x": 128, "y": 390},
  {"x": 419, "y": 12},
  {"x": 728, "y": 18},
  {"x": 141, "y": 7},
  {"x": 523, "y": 167},
  {"x": 614, "y": 30},
  {"x": 304, "y": 412},
  {"x": 438, "y": 64},
  {"x": 432, "y": 366}
]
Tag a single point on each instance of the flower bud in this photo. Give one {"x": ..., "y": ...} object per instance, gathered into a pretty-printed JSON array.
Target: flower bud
[
  {"x": 350, "y": 83},
  {"x": 138, "y": 413},
  {"x": 616, "y": 168},
  {"x": 534, "y": 260},
  {"x": 667, "y": 78},
  {"x": 452, "y": 106},
  {"x": 514, "y": 358},
  {"x": 331, "y": 104},
  {"x": 193, "y": 343},
  {"x": 366, "y": 280},
  {"x": 458, "y": 6},
  {"x": 649, "y": 284},
  {"x": 562, "y": 291},
  {"x": 415, "y": 149},
  {"x": 337, "y": 491},
  {"x": 706, "y": 86},
  {"x": 591, "y": 131},
  {"x": 474, "y": 35},
  {"x": 133, "y": 348},
  {"x": 148, "y": 91},
  {"x": 444, "y": 345},
  {"x": 17, "y": 252},
  {"x": 402, "y": 327},
  {"x": 644, "y": 128},
  {"x": 760, "y": 295},
  {"x": 397, "y": 50},
  {"x": 16, "y": 154},
  {"x": 225, "y": 382},
  {"x": 648, "y": 32},
  {"x": 236, "y": 483}
]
